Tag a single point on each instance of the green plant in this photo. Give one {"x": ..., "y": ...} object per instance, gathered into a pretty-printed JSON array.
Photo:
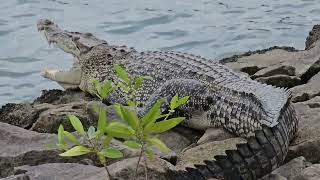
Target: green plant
[
  {"x": 93, "y": 140},
  {"x": 138, "y": 132},
  {"x": 141, "y": 132}
]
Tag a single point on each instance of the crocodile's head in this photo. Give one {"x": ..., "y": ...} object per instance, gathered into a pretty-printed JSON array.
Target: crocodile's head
[{"x": 75, "y": 43}]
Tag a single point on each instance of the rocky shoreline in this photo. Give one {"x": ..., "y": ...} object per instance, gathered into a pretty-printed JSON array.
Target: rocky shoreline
[{"x": 26, "y": 129}]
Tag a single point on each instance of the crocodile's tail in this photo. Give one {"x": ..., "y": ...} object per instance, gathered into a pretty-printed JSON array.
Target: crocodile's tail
[{"x": 263, "y": 152}]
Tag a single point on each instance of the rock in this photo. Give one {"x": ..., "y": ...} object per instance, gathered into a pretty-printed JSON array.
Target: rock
[
  {"x": 124, "y": 170},
  {"x": 60, "y": 171},
  {"x": 307, "y": 91},
  {"x": 310, "y": 173},
  {"x": 49, "y": 120},
  {"x": 57, "y": 97},
  {"x": 22, "y": 115},
  {"x": 175, "y": 141},
  {"x": 21, "y": 147},
  {"x": 307, "y": 141},
  {"x": 234, "y": 58},
  {"x": 206, "y": 151},
  {"x": 289, "y": 170},
  {"x": 273, "y": 177},
  {"x": 6, "y": 167},
  {"x": 305, "y": 63},
  {"x": 214, "y": 134},
  {"x": 314, "y": 36},
  {"x": 309, "y": 115},
  {"x": 280, "y": 80},
  {"x": 275, "y": 70},
  {"x": 52, "y": 102}
]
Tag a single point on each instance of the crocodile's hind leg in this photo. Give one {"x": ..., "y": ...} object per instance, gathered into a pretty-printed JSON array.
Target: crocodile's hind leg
[
  {"x": 194, "y": 109},
  {"x": 67, "y": 79}
]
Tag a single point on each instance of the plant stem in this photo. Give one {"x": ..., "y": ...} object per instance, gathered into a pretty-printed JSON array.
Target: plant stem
[
  {"x": 136, "y": 171},
  {"x": 106, "y": 167},
  {"x": 145, "y": 168}
]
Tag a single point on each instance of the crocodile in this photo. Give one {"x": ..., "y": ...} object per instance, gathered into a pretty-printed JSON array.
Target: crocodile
[{"x": 219, "y": 97}]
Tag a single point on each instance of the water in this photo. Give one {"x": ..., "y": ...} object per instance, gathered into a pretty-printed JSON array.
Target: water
[{"x": 213, "y": 29}]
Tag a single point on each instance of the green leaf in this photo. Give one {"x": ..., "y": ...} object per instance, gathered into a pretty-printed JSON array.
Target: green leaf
[
  {"x": 159, "y": 144},
  {"x": 111, "y": 153},
  {"x": 153, "y": 114},
  {"x": 138, "y": 82},
  {"x": 102, "y": 122},
  {"x": 149, "y": 153},
  {"x": 76, "y": 151},
  {"x": 131, "y": 103},
  {"x": 91, "y": 132},
  {"x": 122, "y": 74},
  {"x": 182, "y": 100},
  {"x": 107, "y": 141},
  {"x": 163, "y": 126},
  {"x": 97, "y": 86},
  {"x": 106, "y": 88},
  {"x": 60, "y": 134},
  {"x": 119, "y": 130},
  {"x": 117, "y": 108},
  {"x": 123, "y": 87},
  {"x": 76, "y": 123},
  {"x": 130, "y": 117},
  {"x": 71, "y": 137},
  {"x": 174, "y": 102},
  {"x": 132, "y": 144}
]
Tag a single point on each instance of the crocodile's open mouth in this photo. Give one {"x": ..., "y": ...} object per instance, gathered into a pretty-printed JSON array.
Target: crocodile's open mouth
[{"x": 75, "y": 43}]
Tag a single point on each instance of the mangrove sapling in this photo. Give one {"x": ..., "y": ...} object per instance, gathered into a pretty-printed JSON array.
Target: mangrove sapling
[
  {"x": 141, "y": 132},
  {"x": 92, "y": 140}
]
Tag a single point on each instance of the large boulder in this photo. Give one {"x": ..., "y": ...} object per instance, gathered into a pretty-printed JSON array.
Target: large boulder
[
  {"x": 307, "y": 141},
  {"x": 22, "y": 115},
  {"x": 206, "y": 151},
  {"x": 289, "y": 170},
  {"x": 307, "y": 91},
  {"x": 49, "y": 120},
  {"x": 309, "y": 173},
  {"x": 20, "y": 147},
  {"x": 125, "y": 169},
  {"x": 61, "y": 171}
]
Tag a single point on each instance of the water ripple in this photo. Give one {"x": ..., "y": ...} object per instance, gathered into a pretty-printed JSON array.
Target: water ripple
[
  {"x": 19, "y": 59},
  {"x": 10, "y": 74}
]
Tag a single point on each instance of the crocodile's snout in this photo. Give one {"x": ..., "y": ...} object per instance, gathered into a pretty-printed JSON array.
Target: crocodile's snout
[{"x": 42, "y": 23}]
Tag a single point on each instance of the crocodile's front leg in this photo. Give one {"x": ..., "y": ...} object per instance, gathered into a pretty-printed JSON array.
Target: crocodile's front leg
[{"x": 67, "y": 79}]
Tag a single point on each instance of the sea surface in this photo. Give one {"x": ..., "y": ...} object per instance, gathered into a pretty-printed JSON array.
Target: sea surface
[{"x": 211, "y": 28}]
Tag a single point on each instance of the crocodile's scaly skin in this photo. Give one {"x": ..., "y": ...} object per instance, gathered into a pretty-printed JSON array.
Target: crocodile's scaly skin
[{"x": 218, "y": 98}]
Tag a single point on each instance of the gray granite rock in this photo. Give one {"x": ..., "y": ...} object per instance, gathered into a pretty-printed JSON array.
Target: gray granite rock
[
  {"x": 59, "y": 171},
  {"x": 207, "y": 151},
  {"x": 309, "y": 173},
  {"x": 307, "y": 91}
]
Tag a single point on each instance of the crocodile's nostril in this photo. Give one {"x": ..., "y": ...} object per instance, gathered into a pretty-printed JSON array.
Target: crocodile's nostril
[{"x": 47, "y": 22}]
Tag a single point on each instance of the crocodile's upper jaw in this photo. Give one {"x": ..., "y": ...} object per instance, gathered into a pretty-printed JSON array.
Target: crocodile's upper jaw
[{"x": 74, "y": 43}]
